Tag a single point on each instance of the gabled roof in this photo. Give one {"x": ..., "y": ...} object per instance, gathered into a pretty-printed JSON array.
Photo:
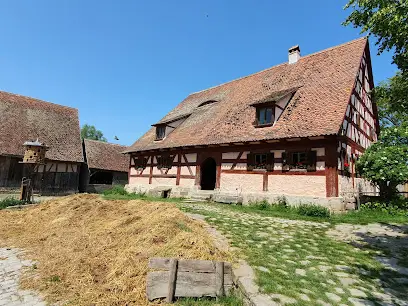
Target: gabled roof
[
  {"x": 323, "y": 83},
  {"x": 106, "y": 156},
  {"x": 27, "y": 119}
]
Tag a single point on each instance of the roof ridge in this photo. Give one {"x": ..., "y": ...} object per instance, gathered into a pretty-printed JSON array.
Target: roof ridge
[
  {"x": 105, "y": 142},
  {"x": 285, "y": 63},
  {"x": 38, "y": 100}
]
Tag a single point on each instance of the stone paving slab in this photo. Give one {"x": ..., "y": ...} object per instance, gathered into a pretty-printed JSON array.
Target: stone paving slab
[{"x": 10, "y": 271}]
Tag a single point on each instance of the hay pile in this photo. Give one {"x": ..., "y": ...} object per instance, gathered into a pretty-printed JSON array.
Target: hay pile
[{"x": 92, "y": 251}]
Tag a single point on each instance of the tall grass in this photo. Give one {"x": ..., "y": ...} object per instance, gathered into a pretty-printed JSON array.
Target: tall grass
[{"x": 10, "y": 201}]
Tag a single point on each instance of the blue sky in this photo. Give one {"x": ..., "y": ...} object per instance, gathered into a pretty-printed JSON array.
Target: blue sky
[{"x": 125, "y": 64}]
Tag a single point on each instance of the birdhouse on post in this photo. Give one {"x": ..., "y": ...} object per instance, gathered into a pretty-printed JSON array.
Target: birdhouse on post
[
  {"x": 34, "y": 152},
  {"x": 34, "y": 156}
]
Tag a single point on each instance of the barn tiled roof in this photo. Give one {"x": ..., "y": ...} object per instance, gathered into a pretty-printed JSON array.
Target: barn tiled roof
[
  {"x": 322, "y": 81},
  {"x": 24, "y": 118},
  {"x": 106, "y": 156}
]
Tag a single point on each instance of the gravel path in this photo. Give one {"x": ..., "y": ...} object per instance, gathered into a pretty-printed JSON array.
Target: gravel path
[{"x": 10, "y": 270}]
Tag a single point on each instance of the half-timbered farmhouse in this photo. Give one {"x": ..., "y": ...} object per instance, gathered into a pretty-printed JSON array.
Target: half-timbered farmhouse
[
  {"x": 26, "y": 119},
  {"x": 105, "y": 165},
  {"x": 295, "y": 129}
]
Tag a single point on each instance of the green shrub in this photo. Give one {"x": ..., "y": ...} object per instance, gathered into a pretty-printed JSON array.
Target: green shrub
[
  {"x": 398, "y": 206},
  {"x": 282, "y": 202},
  {"x": 313, "y": 210},
  {"x": 10, "y": 202},
  {"x": 263, "y": 205},
  {"x": 116, "y": 190}
]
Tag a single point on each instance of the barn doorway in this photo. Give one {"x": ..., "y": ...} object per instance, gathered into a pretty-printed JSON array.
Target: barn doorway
[{"x": 208, "y": 174}]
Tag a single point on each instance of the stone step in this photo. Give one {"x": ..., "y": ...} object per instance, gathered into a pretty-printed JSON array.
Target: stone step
[{"x": 194, "y": 201}]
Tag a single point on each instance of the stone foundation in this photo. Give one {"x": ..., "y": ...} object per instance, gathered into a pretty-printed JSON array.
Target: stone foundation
[{"x": 334, "y": 204}]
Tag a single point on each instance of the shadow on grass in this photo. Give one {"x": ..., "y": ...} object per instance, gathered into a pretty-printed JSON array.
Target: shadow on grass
[{"x": 391, "y": 246}]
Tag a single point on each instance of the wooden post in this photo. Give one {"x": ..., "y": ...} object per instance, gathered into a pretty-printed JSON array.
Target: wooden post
[
  {"x": 219, "y": 278},
  {"x": 172, "y": 280}
]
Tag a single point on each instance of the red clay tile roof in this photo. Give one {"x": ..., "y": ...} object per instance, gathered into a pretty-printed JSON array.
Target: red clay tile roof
[
  {"x": 106, "y": 156},
  {"x": 324, "y": 80},
  {"x": 24, "y": 118}
]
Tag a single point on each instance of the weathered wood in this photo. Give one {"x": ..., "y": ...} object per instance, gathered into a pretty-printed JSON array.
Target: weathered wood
[
  {"x": 219, "y": 278},
  {"x": 188, "y": 284},
  {"x": 172, "y": 280},
  {"x": 203, "y": 266}
]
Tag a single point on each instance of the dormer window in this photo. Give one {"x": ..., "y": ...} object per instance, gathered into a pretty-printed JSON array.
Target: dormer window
[
  {"x": 160, "y": 132},
  {"x": 265, "y": 115}
]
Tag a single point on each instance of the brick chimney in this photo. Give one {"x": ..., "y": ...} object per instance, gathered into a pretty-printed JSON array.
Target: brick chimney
[{"x": 294, "y": 54}]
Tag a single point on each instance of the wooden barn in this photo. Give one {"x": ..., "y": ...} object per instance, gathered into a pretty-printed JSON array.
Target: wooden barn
[
  {"x": 27, "y": 119},
  {"x": 295, "y": 129},
  {"x": 105, "y": 165}
]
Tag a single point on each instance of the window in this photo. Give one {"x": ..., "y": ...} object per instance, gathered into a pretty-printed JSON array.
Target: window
[
  {"x": 160, "y": 132},
  {"x": 299, "y": 160},
  {"x": 265, "y": 115},
  {"x": 260, "y": 161},
  {"x": 164, "y": 161}
]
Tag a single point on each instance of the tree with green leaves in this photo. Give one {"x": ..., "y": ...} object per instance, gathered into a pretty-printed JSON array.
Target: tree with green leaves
[
  {"x": 388, "y": 21},
  {"x": 90, "y": 132},
  {"x": 391, "y": 97},
  {"x": 385, "y": 163}
]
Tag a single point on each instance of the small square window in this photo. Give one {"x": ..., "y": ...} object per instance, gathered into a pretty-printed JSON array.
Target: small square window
[
  {"x": 265, "y": 115},
  {"x": 300, "y": 160},
  {"x": 160, "y": 132},
  {"x": 260, "y": 161}
]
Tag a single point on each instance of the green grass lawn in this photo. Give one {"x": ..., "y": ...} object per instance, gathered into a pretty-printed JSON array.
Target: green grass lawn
[
  {"x": 352, "y": 217},
  {"x": 297, "y": 260}
]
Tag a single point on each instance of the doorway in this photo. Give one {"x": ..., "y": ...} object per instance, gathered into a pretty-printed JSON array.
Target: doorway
[{"x": 208, "y": 174}]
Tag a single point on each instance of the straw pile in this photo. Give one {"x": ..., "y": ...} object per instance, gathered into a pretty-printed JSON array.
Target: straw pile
[{"x": 92, "y": 251}]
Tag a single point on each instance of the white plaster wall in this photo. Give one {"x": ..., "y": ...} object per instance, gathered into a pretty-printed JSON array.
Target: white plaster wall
[
  {"x": 241, "y": 182},
  {"x": 302, "y": 185},
  {"x": 156, "y": 171},
  {"x": 184, "y": 170},
  {"x": 230, "y": 155},
  {"x": 133, "y": 171},
  {"x": 319, "y": 151},
  {"x": 53, "y": 167},
  {"x": 138, "y": 180},
  {"x": 226, "y": 166},
  {"x": 277, "y": 153},
  {"x": 241, "y": 166},
  {"x": 173, "y": 170},
  {"x": 187, "y": 182},
  {"x": 163, "y": 181},
  {"x": 191, "y": 158}
]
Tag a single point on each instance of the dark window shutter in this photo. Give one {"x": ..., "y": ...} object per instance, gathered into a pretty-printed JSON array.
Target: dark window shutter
[
  {"x": 159, "y": 162},
  {"x": 270, "y": 161},
  {"x": 311, "y": 160},
  {"x": 250, "y": 161},
  {"x": 289, "y": 158}
]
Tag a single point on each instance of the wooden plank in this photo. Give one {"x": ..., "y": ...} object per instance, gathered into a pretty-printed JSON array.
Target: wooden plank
[
  {"x": 203, "y": 266},
  {"x": 188, "y": 284},
  {"x": 172, "y": 280},
  {"x": 219, "y": 279}
]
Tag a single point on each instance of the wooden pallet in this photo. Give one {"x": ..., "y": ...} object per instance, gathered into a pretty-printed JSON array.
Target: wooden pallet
[{"x": 187, "y": 278}]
